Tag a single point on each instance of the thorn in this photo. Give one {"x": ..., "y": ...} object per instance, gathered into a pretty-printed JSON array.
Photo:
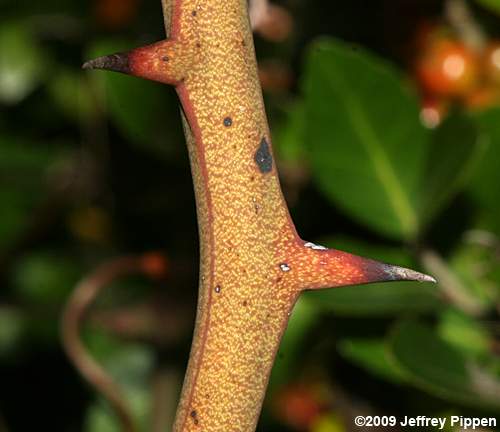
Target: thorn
[
  {"x": 166, "y": 61},
  {"x": 118, "y": 62},
  {"x": 403, "y": 274}
]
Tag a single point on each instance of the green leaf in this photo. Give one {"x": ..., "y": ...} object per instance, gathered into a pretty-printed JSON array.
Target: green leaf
[
  {"x": 22, "y": 62},
  {"x": 455, "y": 150},
  {"x": 45, "y": 278},
  {"x": 288, "y": 136},
  {"x": 493, "y": 5},
  {"x": 379, "y": 298},
  {"x": 372, "y": 355},
  {"x": 304, "y": 316},
  {"x": 12, "y": 325},
  {"x": 474, "y": 266},
  {"x": 72, "y": 94},
  {"x": 463, "y": 332},
  {"x": 484, "y": 185},
  {"x": 437, "y": 367},
  {"x": 130, "y": 366},
  {"x": 367, "y": 143}
]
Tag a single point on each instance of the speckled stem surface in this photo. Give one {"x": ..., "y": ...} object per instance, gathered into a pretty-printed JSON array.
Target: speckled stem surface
[{"x": 253, "y": 263}]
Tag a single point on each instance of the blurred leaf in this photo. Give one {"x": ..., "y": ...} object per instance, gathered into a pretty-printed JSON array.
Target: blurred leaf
[
  {"x": 304, "y": 316},
  {"x": 463, "y": 332},
  {"x": 373, "y": 356},
  {"x": 45, "y": 278},
  {"x": 22, "y": 62},
  {"x": 367, "y": 143},
  {"x": 23, "y": 164},
  {"x": 139, "y": 108},
  {"x": 11, "y": 329},
  {"x": 435, "y": 366},
  {"x": 484, "y": 185},
  {"x": 474, "y": 264},
  {"x": 379, "y": 298},
  {"x": 289, "y": 136},
  {"x": 72, "y": 94},
  {"x": 493, "y": 5},
  {"x": 130, "y": 366},
  {"x": 455, "y": 150}
]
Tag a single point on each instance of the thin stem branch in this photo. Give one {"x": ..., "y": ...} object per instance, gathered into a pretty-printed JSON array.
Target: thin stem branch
[{"x": 73, "y": 316}]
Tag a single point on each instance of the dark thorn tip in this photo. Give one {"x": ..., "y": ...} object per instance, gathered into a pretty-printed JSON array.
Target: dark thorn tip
[
  {"x": 118, "y": 62},
  {"x": 404, "y": 274}
]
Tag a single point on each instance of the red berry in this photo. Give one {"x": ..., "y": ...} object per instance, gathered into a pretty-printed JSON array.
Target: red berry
[
  {"x": 154, "y": 264},
  {"x": 298, "y": 407},
  {"x": 447, "y": 68}
]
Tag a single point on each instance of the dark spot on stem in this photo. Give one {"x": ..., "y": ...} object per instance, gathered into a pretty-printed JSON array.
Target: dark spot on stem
[
  {"x": 165, "y": 58},
  {"x": 194, "y": 416},
  {"x": 228, "y": 121},
  {"x": 194, "y": 13},
  {"x": 198, "y": 45},
  {"x": 263, "y": 157},
  {"x": 217, "y": 289}
]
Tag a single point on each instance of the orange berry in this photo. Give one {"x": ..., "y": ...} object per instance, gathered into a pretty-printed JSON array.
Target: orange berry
[
  {"x": 483, "y": 97},
  {"x": 115, "y": 14},
  {"x": 154, "y": 264},
  {"x": 297, "y": 406},
  {"x": 447, "y": 68},
  {"x": 275, "y": 76}
]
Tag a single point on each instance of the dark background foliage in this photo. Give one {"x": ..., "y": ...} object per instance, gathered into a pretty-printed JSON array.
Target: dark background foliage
[{"x": 380, "y": 154}]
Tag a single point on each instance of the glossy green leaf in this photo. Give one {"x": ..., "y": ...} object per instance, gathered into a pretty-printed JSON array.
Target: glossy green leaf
[
  {"x": 464, "y": 332},
  {"x": 437, "y": 367},
  {"x": 22, "y": 62},
  {"x": 367, "y": 143},
  {"x": 484, "y": 185},
  {"x": 455, "y": 150},
  {"x": 371, "y": 355}
]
